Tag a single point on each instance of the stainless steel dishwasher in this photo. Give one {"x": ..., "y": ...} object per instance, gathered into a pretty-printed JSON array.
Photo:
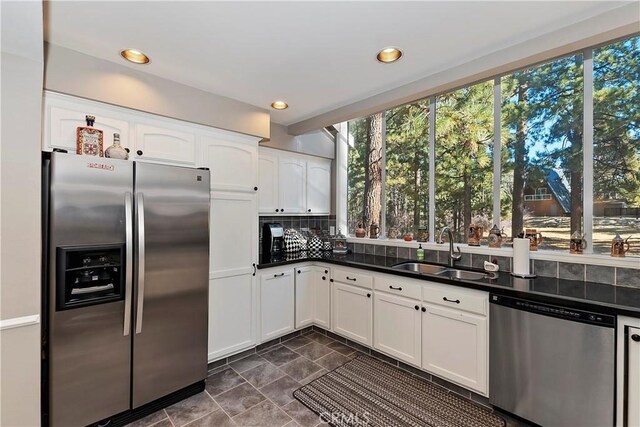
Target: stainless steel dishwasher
[{"x": 551, "y": 365}]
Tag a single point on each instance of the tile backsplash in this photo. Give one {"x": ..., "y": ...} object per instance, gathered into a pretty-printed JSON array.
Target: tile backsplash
[
  {"x": 322, "y": 223},
  {"x": 620, "y": 276}
]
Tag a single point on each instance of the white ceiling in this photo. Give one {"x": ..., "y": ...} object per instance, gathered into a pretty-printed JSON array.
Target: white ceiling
[{"x": 317, "y": 56}]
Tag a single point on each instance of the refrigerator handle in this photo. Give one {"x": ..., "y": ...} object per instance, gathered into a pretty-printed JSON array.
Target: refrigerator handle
[
  {"x": 128, "y": 217},
  {"x": 140, "y": 252}
]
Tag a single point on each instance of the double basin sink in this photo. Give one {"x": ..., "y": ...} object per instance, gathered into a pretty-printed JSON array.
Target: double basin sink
[{"x": 437, "y": 270}]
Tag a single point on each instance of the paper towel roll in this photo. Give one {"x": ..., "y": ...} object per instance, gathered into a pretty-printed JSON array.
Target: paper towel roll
[{"x": 521, "y": 256}]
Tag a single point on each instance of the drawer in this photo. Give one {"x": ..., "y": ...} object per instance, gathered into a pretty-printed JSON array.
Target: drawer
[
  {"x": 398, "y": 286},
  {"x": 454, "y": 297},
  {"x": 353, "y": 278}
]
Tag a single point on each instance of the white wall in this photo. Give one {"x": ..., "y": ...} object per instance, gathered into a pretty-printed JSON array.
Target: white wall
[
  {"x": 74, "y": 73},
  {"x": 20, "y": 99}
]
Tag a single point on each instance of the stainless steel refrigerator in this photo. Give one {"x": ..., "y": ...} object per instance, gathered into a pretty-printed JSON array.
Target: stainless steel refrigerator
[{"x": 127, "y": 287}]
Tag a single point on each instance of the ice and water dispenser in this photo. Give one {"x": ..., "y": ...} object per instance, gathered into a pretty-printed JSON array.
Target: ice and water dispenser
[{"x": 89, "y": 275}]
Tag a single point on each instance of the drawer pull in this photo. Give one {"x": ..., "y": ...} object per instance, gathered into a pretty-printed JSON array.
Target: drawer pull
[
  {"x": 417, "y": 307},
  {"x": 635, "y": 337},
  {"x": 395, "y": 289},
  {"x": 278, "y": 275},
  {"x": 349, "y": 278},
  {"x": 368, "y": 295},
  {"x": 457, "y": 301},
  {"x": 424, "y": 309}
]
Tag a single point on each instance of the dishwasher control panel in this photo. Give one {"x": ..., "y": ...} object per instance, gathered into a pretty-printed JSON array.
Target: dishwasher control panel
[{"x": 554, "y": 311}]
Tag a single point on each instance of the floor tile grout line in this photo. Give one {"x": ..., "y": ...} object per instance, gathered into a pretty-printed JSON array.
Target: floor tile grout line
[{"x": 219, "y": 405}]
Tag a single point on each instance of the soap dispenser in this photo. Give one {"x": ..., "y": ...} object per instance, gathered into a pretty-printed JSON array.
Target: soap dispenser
[{"x": 420, "y": 253}]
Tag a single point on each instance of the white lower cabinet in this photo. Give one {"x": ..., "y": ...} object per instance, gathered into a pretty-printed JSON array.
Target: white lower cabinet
[
  {"x": 352, "y": 312},
  {"x": 455, "y": 346},
  {"x": 313, "y": 297},
  {"x": 232, "y": 315},
  {"x": 322, "y": 298},
  {"x": 305, "y": 296},
  {"x": 276, "y": 303},
  {"x": 397, "y": 327}
]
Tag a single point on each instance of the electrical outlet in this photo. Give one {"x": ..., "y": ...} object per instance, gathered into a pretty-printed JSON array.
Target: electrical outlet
[{"x": 332, "y": 230}]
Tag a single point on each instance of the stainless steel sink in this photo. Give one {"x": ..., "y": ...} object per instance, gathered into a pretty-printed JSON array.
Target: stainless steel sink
[
  {"x": 437, "y": 270},
  {"x": 463, "y": 274},
  {"x": 418, "y": 267}
]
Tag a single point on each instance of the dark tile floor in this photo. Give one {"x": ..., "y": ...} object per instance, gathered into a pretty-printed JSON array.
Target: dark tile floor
[{"x": 258, "y": 390}]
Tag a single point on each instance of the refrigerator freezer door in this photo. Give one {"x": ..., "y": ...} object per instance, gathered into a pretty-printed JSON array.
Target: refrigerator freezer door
[
  {"x": 90, "y": 352},
  {"x": 171, "y": 282}
]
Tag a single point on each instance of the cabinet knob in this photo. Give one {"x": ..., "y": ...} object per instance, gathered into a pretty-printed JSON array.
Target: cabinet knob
[
  {"x": 308, "y": 210},
  {"x": 424, "y": 309},
  {"x": 277, "y": 210},
  {"x": 635, "y": 337},
  {"x": 139, "y": 152},
  {"x": 326, "y": 272},
  {"x": 299, "y": 271},
  {"x": 127, "y": 150},
  {"x": 417, "y": 307},
  {"x": 281, "y": 210},
  {"x": 255, "y": 188},
  {"x": 331, "y": 280},
  {"x": 324, "y": 278},
  {"x": 368, "y": 295}
]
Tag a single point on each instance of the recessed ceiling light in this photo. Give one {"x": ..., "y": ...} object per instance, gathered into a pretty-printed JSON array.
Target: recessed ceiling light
[
  {"x": 389, "y": 55},
  {"x": 135, "y": 56},
  {"x": 279, "y": 105}
]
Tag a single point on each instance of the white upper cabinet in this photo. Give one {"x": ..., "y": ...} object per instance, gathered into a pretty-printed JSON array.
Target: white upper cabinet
[
  {"x": 268, "y": 183},
  {"x": 291, "y": 185},
  {"x": 165, "y": 144},
  {"x": 62, "y": 119},
  {"x": 233, "y": 163},
  {"x": 319, "y": 186}
]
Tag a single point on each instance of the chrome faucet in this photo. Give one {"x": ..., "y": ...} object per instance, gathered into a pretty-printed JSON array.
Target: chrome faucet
[{"x": 453, "y": 257}]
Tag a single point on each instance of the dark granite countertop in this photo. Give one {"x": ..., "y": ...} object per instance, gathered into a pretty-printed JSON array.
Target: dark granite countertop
[{"x": 576, "y": 294}]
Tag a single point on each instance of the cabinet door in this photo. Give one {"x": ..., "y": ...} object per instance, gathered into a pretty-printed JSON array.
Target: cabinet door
[
  {"x": 633, "y": 377},
  {"x": 233, "y": 227},
  {"x": 268, "y": 184},
  {"x": 352, "y": 309},
  {"x": 61, "y": 125},
  {"x": 233, "y": 164},
  {"x": 397, "y": 327},
  {"x": 232, "y": 315},
  {"x": 305, "y": 286},
  {"x": 322, "y": 298},
  {"x": 318, "y": 186},
  {"x": 455, "y": 347},
  {"x": 276, "y": 304},
  {"x": 164, "y": 144},
  {"x": 291, "y": 185}
]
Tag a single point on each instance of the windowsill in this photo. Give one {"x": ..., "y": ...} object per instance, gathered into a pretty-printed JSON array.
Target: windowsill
[{"x": 592, "y": 259}]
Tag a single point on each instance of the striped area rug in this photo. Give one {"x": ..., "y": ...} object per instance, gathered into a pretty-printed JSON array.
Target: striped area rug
[{"x": 368, "y": 392}]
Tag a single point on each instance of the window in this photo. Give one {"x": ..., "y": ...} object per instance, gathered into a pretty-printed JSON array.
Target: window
[
  {"x": 463, "y": 156},
  {"x": 542, "y": 126},
  {"x": 364, "y": 172},
  {"x": 616, "y": 143},
  {"x": 407, "y": 167},
  {"x": 543, "y": 181}
]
